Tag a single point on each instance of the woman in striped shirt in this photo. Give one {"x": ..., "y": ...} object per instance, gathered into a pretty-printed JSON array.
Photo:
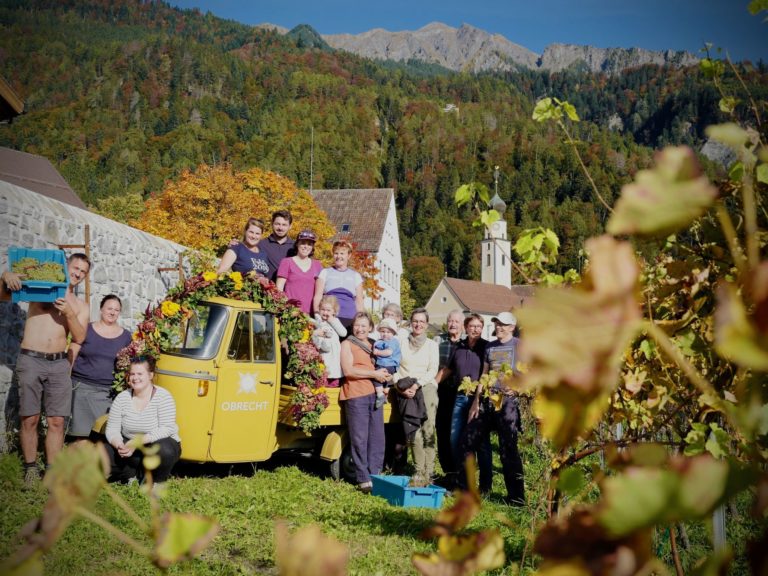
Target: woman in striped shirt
[{"x": 146, "y": 410}]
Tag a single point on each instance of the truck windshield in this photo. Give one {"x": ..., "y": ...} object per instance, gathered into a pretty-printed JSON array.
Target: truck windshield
[{"x": 200, "y": 336}]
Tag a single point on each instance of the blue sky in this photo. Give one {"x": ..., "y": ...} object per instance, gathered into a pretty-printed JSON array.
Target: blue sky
[{"x": 651, "y": 24}]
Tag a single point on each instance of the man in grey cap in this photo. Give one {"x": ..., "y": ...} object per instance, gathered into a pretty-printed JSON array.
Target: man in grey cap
[{"x": 483, "y": 415}]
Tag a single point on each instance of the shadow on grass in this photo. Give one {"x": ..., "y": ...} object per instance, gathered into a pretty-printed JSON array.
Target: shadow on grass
[{"x": 304, "y": 462}]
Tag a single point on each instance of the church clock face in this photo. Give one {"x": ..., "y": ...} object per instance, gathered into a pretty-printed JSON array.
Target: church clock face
[{"x": 496, "y": 227}]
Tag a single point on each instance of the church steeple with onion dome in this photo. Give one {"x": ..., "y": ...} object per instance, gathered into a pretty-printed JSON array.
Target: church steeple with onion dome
[{"x": 495, "y": 247}]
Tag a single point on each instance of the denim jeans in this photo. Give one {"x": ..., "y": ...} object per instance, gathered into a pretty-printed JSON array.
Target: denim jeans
[{"x": 484, "y": 454}]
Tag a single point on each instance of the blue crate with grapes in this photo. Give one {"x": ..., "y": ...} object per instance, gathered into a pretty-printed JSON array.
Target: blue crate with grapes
[{"x": 44, "y": 272}]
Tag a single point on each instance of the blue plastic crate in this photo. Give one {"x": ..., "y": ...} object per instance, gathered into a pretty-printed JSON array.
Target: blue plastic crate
[
  {"x": 396, "y": 491},
  {"x": 37, "y": 290}
]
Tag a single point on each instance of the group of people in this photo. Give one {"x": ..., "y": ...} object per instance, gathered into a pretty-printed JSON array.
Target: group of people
[
  {"x": 290, "y": 265},
  {"x": 437, "y": 418},
  {"x": 417, "y": 374},
  {"x": 74, "y": 382}
]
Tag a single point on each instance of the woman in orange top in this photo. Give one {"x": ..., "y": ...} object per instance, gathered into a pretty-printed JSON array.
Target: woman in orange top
[{"x": 365, "y": 423}]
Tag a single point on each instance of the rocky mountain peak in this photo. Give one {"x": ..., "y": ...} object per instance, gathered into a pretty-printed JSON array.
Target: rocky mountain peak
[{"x": 472, "y": 49}]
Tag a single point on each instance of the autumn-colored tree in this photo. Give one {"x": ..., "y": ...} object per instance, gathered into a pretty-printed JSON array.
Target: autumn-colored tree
[
  {"x": 424, "y": 274},
  {"x": 365, "y": 263},
  {"x": 206, "y": 208}
]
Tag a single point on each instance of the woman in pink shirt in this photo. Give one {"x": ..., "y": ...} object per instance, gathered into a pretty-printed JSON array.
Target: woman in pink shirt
[{"x": 296, "y": 275}]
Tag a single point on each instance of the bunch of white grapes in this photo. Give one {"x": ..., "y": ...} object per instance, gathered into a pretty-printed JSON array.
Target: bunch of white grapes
[{"x": 33, "y": 269}]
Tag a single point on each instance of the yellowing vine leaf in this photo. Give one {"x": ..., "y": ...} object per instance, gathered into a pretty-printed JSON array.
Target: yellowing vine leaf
[
  {"x": 736, "y": 338},
  {"x": 308, "y": 552},
  {"x": 665, "y": 199},
  {"x": 575, "y": 339},
  {"x": 182, "y": 536},
  {"x": 463, "y": 555}
]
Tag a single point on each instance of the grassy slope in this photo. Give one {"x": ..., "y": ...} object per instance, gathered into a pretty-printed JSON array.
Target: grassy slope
[{"x": 381, "y": 538}]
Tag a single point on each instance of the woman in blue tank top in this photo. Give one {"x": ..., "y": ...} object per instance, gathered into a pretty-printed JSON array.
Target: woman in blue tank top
[{"x": 245, "y": 256}]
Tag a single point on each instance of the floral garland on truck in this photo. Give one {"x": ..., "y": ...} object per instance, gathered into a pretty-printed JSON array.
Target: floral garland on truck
[{"x": 304, "y": 369}]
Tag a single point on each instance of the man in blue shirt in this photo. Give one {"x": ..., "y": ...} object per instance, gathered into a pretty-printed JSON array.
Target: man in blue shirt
[{"x": 278, "y": 245}]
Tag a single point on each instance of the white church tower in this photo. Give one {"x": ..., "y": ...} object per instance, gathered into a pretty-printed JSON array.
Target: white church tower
[{"x": 495, "y": 248}]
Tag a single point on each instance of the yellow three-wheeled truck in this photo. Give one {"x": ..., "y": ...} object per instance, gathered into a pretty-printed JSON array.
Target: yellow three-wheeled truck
[{"x": 225, "y": 376}]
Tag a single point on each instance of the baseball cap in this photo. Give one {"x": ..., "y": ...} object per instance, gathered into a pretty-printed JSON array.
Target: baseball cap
[
  {"x": 306, "y": 235},
  {"x": 506, "y": 318}
]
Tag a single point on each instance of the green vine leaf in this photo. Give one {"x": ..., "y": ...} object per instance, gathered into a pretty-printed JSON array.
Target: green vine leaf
[
  {"x": 762, "y": 173},
  {"x": 488, "y": 217},
  {"x": 545, "y": 110},
  {"x": 665, "y": 199},
  {"x": 728, "y": 104},
  {"x": 570, "y": 111},
  {"x": 711, "y": 68},
  {"x": 757, "y": 6},
  {"x": 736, "y": 172},
  {"x": 696, "y": 438},
  {"x": 688, "y": 488},
  {"x": 717, "y": 441},
  {"x": 463, "y": 195}
]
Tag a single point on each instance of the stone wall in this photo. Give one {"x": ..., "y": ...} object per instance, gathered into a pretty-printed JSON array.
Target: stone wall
[{"x": 125, "y": 262}]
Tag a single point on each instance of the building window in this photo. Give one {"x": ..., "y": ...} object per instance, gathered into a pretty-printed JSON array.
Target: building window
[
  {"x": 443, "y": 300},
  {"x": 488, "y": 260},
  {"x": 345, "y": 228},
  {"x": 503, "y": 260}
]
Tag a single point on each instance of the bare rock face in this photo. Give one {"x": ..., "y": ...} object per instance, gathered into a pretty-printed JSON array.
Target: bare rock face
[
  {"x": 557, "y": 57},
  {"x": 465, "y": 48},
  {"x": 473, "y": 50}
]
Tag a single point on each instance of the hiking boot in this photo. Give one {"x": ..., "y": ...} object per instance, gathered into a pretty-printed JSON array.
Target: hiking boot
[
  {"x": 31, "y": 476},
  {"x": 365, "y": 487}
]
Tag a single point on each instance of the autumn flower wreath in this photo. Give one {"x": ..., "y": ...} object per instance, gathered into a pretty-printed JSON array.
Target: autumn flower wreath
[{"x": 304, "y": 369}]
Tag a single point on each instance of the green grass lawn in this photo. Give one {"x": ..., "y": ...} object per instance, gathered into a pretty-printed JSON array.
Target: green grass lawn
[{"x": 380, "y": 537}]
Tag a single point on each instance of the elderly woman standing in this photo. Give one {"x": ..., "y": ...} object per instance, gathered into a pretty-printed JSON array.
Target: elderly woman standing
[
  {"x": 93, "y": 365},
  {"x": 342, "y": 282},
  {"x": 420, "y": 360},
  {"x": 364, "y": 421}
]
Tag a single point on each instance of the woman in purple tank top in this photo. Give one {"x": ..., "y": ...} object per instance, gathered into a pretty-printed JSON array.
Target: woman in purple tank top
[{"x": 93, "y": 364}]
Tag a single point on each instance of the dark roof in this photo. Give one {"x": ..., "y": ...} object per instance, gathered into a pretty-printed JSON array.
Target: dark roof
[
  {"x": 10, "y": 104},
  {"x": 487, "y": 298},
  {"x": 37, "y": 174},
  {"x": 362, "y": 210}
]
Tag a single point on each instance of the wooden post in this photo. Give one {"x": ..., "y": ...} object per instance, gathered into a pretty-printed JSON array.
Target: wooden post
[
  {"x": 179, "y": 268},
  {"x": 86, "y": 248}
]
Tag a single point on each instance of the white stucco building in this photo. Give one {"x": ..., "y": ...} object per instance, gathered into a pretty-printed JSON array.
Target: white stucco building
[{"x": 368, "y": 219}]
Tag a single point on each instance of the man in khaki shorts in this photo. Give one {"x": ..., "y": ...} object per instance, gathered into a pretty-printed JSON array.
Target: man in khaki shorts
[{"x": 42, "y": 367}]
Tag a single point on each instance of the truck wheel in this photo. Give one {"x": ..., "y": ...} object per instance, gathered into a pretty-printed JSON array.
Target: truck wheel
[{"x": 344, "y": 467}]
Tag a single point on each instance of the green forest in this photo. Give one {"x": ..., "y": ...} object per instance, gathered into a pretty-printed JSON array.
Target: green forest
[{"x": 122, "y": 96}]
